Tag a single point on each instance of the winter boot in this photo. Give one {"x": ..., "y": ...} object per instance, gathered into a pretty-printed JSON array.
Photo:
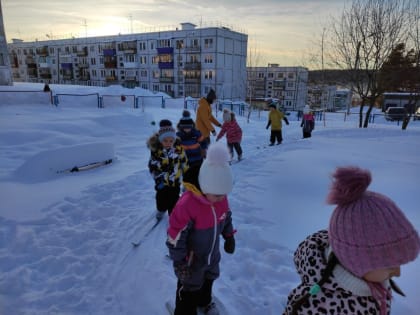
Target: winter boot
[
  {"x": 211, "y": 309},
  {"x": 159, "y": 214}
]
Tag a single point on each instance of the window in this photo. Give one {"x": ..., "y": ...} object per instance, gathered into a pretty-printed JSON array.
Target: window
[
  {"x": 143, "y": 73},
  {"x": 156, "y": 87},
  {"x": 208, "y": 43},
  {"x": 270, "y": 75},
  {"x": 156, "y": 74},
  {"x": 179, "y": 44},
  {"x": 93, "y": 61},
  {"x": 130, "y": 58},
  {"x": 2, "y": 60},
  {"x": 145, "y": 86},
  {"x": 208, "y": 59},
  {"x": 143, "y": 60},
  {"x": 280, "y": 75},
  {"x": 261, "y": 75},
  {"x": 164, "y": 43},
  {"x": 155, "y": 59},
  {"x": 208, "y": 75},
  {"x": 142, "y": 46},
  {"x": 291, "y": 75}
]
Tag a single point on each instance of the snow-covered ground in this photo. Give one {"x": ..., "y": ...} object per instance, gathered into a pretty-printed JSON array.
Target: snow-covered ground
[{"x": 65, "y": 239}]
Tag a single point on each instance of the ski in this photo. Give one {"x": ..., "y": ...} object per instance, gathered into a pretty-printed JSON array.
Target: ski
[
  {"x": 137, "y": 244},
  {"x": 85, "y": 167},
  {"x": 170, "y": 307},
  {"x": 236, "y": 161}
]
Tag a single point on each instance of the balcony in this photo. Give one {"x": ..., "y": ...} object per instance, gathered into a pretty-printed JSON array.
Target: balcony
[
  {"x": 129, "y": 47},
  {"x": 166, "y": 65},
  {"x": 110, "y": 78},
  {"x": 110, "y": 64},
  {"x": 166, "y": 79},
  {"x": 192, "y": 49},
  {"x": 45, "y": 75},
  {"x": 165, "y": 51},
  {"x": 131, "y": 65},
  {"x": 110, "y": 52},
  {"x": 32, "y": 73},
  {"x": 84, "y": 77},
  {"x": 192, "y": 80},
  {"x": 192, "y": 66},
  {"x": 82, "y": 52},
  {"x": 42, "y": 51},
  {"x": 30, "y": 60},
  {"x": 67, "y": 66}
]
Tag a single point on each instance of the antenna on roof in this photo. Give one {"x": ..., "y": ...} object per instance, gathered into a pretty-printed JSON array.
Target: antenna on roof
[{"x": 85, "y": 25}]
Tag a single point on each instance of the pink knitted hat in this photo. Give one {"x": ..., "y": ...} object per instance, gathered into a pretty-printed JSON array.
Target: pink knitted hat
[{"x": 367, "y": 230}]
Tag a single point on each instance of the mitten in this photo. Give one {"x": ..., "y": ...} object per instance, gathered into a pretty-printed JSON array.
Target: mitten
[
  {"x": 213, "y": 132},
  {"x": 286, "y": 121},
  {"x": 159, "y": 186},
  {"x": 229, "y": 245},
  {"x": 182, "y": 271}
]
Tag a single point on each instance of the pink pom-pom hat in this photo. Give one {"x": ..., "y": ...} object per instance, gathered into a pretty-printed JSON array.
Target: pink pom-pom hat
[{"x": 367, "y": 230}]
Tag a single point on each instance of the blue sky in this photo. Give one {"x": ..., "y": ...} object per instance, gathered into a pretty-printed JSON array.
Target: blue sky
[{"x": 282, "y": 31}]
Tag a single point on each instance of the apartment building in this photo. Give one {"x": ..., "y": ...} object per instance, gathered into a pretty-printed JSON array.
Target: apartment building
[
  {"x": 322, "y": 97},
  {"x": 186, "y": 61},
  {"x": 5, "y": 74},
  {"x": 287, "y": 84}
]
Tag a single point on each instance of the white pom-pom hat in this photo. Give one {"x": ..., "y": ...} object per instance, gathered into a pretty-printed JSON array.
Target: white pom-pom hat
[{"x": 215, "y": 175}]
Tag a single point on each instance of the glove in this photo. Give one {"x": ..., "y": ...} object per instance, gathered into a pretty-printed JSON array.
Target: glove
[
  {"x": 213, "y": 132},
  {"x": 229, "y": 245},
  {"x": 266, "y": 127},
  {"x": 159, "y": 186},
  {"x": 182, "y": 271},
  {"x": 286, "y": 121}
]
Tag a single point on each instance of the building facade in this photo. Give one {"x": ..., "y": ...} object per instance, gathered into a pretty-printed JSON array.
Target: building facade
[
  {"x": 5, "y": 73},
  {"x": 188, "y": 61},
  {"x": 286, "y": 84}
]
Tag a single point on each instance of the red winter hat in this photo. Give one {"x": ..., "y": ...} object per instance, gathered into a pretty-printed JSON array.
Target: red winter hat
[{"x": 367, "y": 230}]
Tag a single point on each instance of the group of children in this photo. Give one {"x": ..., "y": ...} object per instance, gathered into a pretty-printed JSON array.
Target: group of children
[{"x": 346, "y": 269}]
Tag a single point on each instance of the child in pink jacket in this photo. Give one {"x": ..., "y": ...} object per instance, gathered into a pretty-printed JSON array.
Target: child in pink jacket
[
  {"x": 200, "y": 218},
  {"x": 233, "y": 133}
]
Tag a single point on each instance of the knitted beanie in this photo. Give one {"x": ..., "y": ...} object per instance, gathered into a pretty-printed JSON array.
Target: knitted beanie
[
  {"x": 367, "y": 231},
  {"x": 227, "y": 115},
  {"x": 306, "y": 109},
  {"x": 215, "y": 176},
  {"x": 211, "y": 96},
  {"x": 166, "y": 130},
  {"x": 186, "y": 120}
]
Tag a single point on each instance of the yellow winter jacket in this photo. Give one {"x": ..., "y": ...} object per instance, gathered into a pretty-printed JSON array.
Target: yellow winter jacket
[
  {"x": 274, "y": 118},
  {"x": 205, "y": 118}
]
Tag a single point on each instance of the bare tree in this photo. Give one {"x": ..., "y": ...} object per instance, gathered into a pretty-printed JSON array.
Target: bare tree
[
  {"x": 363, "y": 37},
  {"x": 252, "y": 61}
]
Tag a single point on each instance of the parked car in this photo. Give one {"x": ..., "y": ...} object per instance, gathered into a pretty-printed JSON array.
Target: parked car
[
  {"x": 395, "y": 113},
  {"x": 416, "y": 115}
]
